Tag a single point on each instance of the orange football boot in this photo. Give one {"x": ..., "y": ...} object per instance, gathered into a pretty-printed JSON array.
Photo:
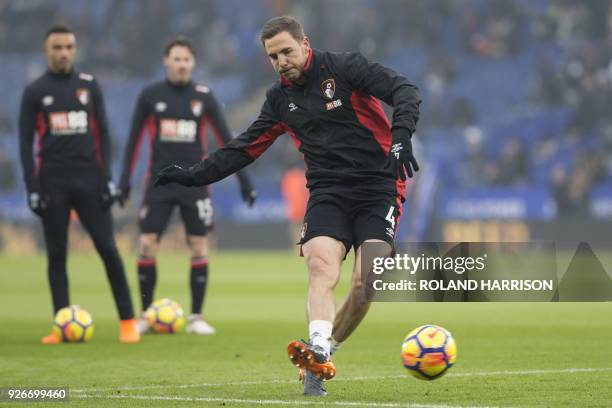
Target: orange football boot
[
  {"x": 51, "y": 338},
  {"x": 128, "y": 331},
  {"x": 308, "y": 357}
]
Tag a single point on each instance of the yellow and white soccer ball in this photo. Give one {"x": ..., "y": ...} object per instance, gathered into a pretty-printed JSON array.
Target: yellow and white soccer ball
[
  {"x": 165, "y": 316},
  {"x": 73, "y": 324},
  {"x": 429, "y": 351}
]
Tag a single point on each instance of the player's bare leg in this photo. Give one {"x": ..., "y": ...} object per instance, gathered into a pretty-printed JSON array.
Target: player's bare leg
[
  {"x": 147, "y": 245},
  {"x": 356, "y": 305},
  {"x": 147, "y": 273},
  {"x": 323, "y": 256},
  {"x": 198, "y": 245}
]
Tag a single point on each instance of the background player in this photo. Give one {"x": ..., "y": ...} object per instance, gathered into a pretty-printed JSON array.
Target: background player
[
  {"x": 72, "y": 170},
  {"x": 357, "y": 164},
  {"x": 175, "y": 112}
]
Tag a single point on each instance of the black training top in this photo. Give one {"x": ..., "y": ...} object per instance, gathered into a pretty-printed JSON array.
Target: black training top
[
  {"x": 336, "y": 121},
  {"x": 67, "y": 112},
  {"x": 175, "y": 117}
]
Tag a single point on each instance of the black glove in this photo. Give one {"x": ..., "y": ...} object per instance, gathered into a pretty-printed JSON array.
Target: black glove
[
  {"x": 248, "y": 194},
  {"x": 123, "y": 195},
  {"x": 401, "y": 159},
  {"x": 174, "y": 174},
  {"x": 109, "y": 194},
  {"x": 37, "y": 202}
]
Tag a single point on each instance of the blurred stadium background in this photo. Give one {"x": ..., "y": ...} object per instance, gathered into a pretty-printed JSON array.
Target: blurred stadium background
[
  {"x": 515, "y": 137},
  {"x": 514, "y": 142}
]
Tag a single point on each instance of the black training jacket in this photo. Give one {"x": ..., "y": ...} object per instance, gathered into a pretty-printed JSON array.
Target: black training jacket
[
  {"x": 336, "y": 121},
  {"x": 67, "y": 112},
  {"x": 175, "y": 116}
]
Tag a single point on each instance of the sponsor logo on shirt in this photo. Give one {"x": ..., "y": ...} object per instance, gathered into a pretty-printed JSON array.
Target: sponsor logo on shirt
[
  {"x": 292, "y": 107},
  {"x": 68, "y": 123},
  {"x": 177, "y": 130},
  {"x": 333, "y": 104},
  {"x": 160, "y": 106}
]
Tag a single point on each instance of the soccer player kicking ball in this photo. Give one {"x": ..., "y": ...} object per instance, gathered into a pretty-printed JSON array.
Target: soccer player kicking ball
[
  {"x": 72, "y": 170},
  {"x": 356, "y": 167},
  {"x": 175, "y": 112}
]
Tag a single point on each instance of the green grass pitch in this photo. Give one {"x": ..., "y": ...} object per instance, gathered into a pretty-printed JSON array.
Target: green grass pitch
[{"x": 509, "y": 354}]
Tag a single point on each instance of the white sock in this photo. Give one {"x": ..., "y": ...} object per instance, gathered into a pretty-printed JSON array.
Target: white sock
[
  {"x": 335, "y": 345},
  {"x": 320, "y": 334}
]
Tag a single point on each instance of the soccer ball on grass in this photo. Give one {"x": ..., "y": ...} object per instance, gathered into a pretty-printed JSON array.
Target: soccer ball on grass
[
  {"x": 73, "y": 324},
  {"x": 165, "y": 316},
  {"x": 428, "y": 352}
]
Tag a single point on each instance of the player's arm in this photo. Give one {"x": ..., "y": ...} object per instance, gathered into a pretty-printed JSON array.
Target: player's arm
[
  {"x": 397, "y": 91},
  {"x": 214, "y": 115},
  {"x": 237, "y": 154},
  {"x": 28, "y": 117},
  {"x": 130, "y": 154},
  {"x": 387, "y": 85},
  {"x": 100, "y": 126}
]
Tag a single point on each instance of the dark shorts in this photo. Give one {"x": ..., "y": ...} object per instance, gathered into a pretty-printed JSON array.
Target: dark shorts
[
  {"x": 351, "y": 219},
  {"x": 194, "y": 205}
]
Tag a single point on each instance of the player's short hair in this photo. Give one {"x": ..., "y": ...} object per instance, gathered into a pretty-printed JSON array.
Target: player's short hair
[
  {"x": 179, "y": 41},
  {"x": 277, "y": 25},
  {"x": 58, "y": 29}
]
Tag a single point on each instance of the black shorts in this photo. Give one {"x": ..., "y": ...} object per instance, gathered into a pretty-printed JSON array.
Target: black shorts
[
  {"x": 194, "y": 204},
  {"x": 351, "y": 219}
]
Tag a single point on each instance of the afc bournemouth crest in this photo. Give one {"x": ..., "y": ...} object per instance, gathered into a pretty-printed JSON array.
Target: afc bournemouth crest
[
  {"x": 82, "y": 95},
  {"x": 196, "y": 107},
  {"x": 329, "y": 88}
]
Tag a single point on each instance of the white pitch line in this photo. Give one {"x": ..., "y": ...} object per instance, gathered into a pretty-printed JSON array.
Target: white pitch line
[
  {"x": 241, "y": 383},
  {"x": 182, "y": 386},
  {"x": 531, "y": 372},
  {"x": 275, "y": 402}
]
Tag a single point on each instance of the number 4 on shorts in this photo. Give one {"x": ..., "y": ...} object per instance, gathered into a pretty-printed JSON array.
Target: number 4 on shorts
[{"x": 391, "y": 217}]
